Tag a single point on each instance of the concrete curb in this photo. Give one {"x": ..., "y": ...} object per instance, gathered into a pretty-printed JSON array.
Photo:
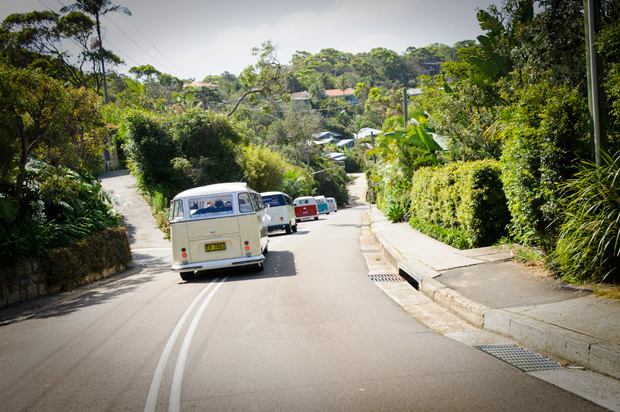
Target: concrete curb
[{"x": 549, "y": 340}]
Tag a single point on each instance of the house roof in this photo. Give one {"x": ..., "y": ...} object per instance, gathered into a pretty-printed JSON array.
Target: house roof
[
  {"x": 339, "y": 92},
  {"x": 300, "y": 95},
  {"x": 336, "y": 156},
  {"x": 325, "y": 135},
  {"x": 325, "y": 141},
  {"x": 367, "y": 131},
  {"x": 345, "y": 142},
  {"x": 201, "y": 84}
]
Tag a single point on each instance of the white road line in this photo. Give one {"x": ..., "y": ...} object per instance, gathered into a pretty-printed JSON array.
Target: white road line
[
  {"x": 174, "y": 404},
  {"x": 151, "y": 401}
]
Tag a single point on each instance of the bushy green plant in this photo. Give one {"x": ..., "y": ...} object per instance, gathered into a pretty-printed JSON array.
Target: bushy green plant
[
  {"x": 298, "y": 182},
  {"x": 396, "y": 213},
  {"x": 330, "y": 180},
  {"x": 547, "y": 130},
  {"x": 172, "y": 154},
  {"x": 60, "y": 208},
  {"x": 588, "y": 246},
  {"x": 263, "y": 168},
  {"x": 454, "y": 237},
  {"x": 354, "y": 161},
  {"x": 465, "y": 198}
]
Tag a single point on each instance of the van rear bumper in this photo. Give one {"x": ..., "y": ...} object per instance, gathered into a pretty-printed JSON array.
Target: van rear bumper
[
  {"x": 279, "y": 227},
  {"x": 218, "y": 264}
]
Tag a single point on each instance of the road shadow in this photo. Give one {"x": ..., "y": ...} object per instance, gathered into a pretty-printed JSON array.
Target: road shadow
[
  {"x": 84, "y": 296},
  {"x": 277, "y": 264}
]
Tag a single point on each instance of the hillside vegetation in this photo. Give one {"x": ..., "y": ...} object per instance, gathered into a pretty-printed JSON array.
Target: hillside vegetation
[{"x": 484, "y": 141}]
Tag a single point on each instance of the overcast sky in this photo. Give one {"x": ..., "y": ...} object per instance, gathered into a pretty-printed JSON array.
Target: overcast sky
[{"x": 196, "y": 38}]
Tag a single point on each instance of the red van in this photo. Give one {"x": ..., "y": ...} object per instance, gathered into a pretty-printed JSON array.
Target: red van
[{"x": 306, "y": 208}]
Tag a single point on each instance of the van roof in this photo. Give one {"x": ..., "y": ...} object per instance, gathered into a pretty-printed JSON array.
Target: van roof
[
  {"x": 272, "y": 193},
  {"x": 214, "y": 189}
]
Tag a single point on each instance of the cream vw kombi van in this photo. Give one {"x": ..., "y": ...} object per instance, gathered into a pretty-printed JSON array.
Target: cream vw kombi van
[
  {"x": 217, "y": 226},
  {"x": 281, "y": 210}
]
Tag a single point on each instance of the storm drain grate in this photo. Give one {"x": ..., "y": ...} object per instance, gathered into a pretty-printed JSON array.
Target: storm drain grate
[
  {"x": 385, "y": 277},
  {"x": 520, "y": 358}
]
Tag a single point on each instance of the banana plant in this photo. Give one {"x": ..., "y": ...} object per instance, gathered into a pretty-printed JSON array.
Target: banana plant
[{"x": 412, "y": 146}]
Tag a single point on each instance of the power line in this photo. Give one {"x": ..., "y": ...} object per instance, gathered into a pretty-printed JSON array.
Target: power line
[
  {"x": 137, "y": 45},
  {"x": 148, "y": 41},
  {"x": 117, "y": 49}
]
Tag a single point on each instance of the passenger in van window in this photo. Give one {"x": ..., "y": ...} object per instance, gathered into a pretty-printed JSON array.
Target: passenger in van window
[{"x": 244, "y": 203}]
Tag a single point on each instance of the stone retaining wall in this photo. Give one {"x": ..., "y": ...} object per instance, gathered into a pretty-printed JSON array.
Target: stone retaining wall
[{"x": 30, "y": 283}]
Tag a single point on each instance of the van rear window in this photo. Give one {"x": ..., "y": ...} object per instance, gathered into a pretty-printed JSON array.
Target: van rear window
[
  {"x": 274, "y": 200},
  {"x": 210, "y": 206}
]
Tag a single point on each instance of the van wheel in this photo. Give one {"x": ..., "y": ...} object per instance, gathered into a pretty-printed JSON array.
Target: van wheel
[
  {"x": 259, "y": 267},
  {"x": 187, "y": 276},
  {"x": 288, "y": 230},
  {"x": 295, "y": 228},
  {"x": 316, "y": 218}
]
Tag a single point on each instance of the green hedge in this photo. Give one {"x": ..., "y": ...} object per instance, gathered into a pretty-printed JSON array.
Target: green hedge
[
  {"x": 462, "y": 204},
  {"x": 70, "y": 266}
]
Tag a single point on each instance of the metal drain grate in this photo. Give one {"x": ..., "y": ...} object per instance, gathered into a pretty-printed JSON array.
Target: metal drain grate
[
  {"x": 520, "y": 358},
  {"x": 385, "y": 277}
]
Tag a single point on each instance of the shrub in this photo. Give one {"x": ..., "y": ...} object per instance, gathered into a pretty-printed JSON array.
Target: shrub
[
  {"x": 547, "y": 131},
  {"x": 298, "y": 182},
  {"x": 60, "y": 208},
  {"x": 263, "y": 168},
  {"x": 169, "y": 155},
  {"x": 588, "y": 247},
  {"x": 465, "y": 199}
]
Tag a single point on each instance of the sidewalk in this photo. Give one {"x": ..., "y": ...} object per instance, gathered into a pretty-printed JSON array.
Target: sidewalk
[{"x": 486, "y": 288}]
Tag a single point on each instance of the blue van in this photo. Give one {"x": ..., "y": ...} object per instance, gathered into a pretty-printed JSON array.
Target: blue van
[{"x": 321, "y": 204}]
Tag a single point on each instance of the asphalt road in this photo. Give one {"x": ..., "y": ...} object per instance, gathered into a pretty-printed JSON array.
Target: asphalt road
[{"x": 310, "y": 333}]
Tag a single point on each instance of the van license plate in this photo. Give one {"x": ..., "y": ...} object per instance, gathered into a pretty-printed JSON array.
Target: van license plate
[{"x": 213, "y": 247}]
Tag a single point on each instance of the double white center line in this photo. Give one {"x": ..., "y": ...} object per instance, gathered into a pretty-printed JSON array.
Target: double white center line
[{"x": 174, "y": 404}]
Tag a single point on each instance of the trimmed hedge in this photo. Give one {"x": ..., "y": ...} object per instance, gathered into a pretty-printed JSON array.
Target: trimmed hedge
[
  {"x": 70, "y": 266},
  {"x": 462, "y": 204}
]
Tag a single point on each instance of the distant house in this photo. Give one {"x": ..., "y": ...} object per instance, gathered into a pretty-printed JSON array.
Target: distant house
[
  {"x": 201, "y": 84},
  {"x": 431, "y": 68},
  {"x": 324, "y": 142},
  {"x": 367, "y": 131},
  {"x": 337, "y": 157},
  {"x": 300, "y": 96},
  {"x": 347, "y": 94},
  {"x": 348, "y": 143},
  {"x": 326, "y": 135}
]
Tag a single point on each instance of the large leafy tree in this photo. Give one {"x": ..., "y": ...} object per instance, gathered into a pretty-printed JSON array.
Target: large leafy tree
[
  {"x": 97, "y": 9},
  {"x": 34, "y": 40},
  {"x": 264, "y": 79},
  {"x": 39, "y": 112}
]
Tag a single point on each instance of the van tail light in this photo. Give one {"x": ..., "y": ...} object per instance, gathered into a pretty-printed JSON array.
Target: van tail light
[
  {"x": 247, "y": 245},
  {"x": 183, "y": 252},
  {"x": 281, "y": 219}
]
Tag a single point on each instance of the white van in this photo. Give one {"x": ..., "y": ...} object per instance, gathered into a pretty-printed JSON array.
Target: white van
[
  {"x": 281, "y": 210},
  {"x": 217, "y": 226},
  {"x": 332, "y": 205}
]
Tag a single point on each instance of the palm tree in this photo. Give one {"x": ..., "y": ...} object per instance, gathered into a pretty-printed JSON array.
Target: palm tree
[{"x": 97, "y": 8}]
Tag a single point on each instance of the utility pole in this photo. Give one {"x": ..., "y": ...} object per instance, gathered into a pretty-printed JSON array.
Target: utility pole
[
  {"x": 405, "y": 108},
  {"x": 596, "y": 93}
]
